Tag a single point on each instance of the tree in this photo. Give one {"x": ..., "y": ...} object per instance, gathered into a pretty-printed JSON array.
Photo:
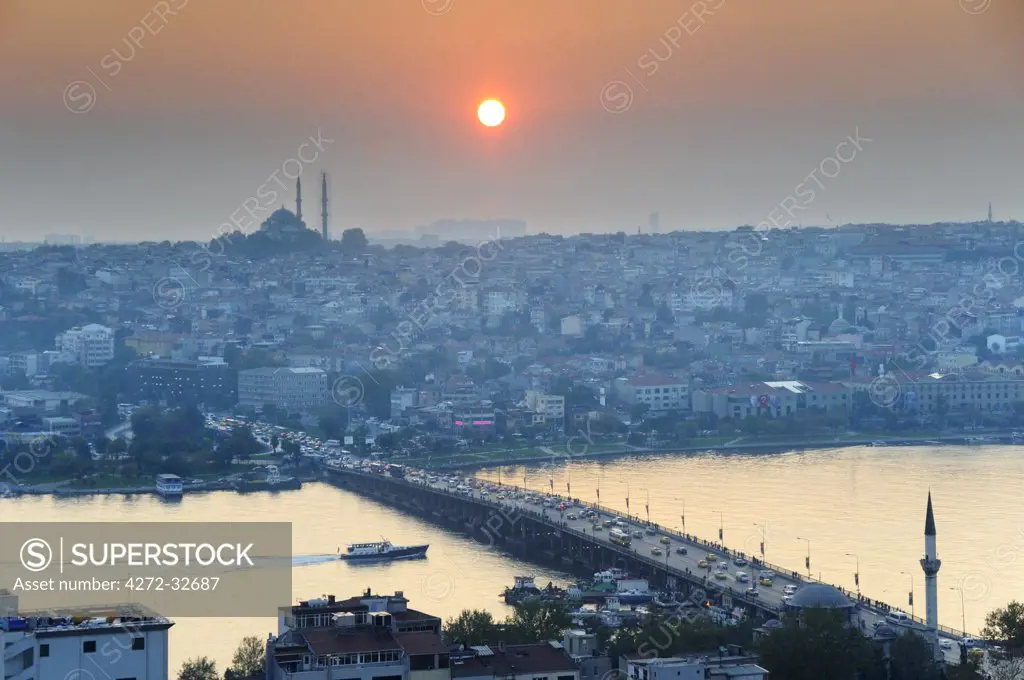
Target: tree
[
  {"x": 198, "y": 669},
  {"x": 353, "y": 241},
  {"x": 535, "y": 621},
  {"x": 815, "y": 645},
  {"x": 249, "y": 658},
  {"x": 274, "y": 441},
  {"x": 1006, "y": 626},
  {"x": 471, "y": 627},
  {"x": 1006, "y": 669},
  {"x": 912, "y": 658},
  {"x": 18, "y": 381}
]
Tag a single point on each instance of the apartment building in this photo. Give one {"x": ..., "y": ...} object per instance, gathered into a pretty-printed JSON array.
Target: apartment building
[
  {"x": 110, "y": 643},
  {"x": 660, "y": 393},
  {"x": 539, "y": 661},
  {"x": 695, "y": 668},
  {"x": 214, "y": 385},
  {"x": 548, "y": 409},
  {"x": 90, "y": 346},
  {"x": 368, "y": 637},
  {"x": 291, "y": 389}
]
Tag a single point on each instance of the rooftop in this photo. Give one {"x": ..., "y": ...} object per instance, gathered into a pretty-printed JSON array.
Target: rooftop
[{"x": 542, "y": 657}]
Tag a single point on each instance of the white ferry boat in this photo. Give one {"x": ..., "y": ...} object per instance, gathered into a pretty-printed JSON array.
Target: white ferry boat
[{"x": 168, "y": 486}]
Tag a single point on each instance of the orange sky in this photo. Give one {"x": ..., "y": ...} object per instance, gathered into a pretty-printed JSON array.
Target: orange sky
[{"x": 732, "y": 120}]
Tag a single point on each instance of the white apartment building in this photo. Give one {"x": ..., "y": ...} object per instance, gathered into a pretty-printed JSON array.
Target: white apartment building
[
  {"x": 497, "y": 302},
  {"x": 1004, "y": 344},
  {"x": 676, "y": 668},
  {"x": 291, "y": 389},
  {"x": 548, "y": 409},
  {"x": 90, "y": 346},
  {"x": 106, "y": 645},
  {"x": 658, "y": 392}
]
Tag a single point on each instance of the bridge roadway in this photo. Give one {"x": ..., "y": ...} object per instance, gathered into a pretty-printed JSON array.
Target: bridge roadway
[{"x": 867, "y": 613}]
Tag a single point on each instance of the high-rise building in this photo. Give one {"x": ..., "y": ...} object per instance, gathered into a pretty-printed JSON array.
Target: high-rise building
[
  {"x": 292, "y": 389},
  {"x": 214, "y": 385}
]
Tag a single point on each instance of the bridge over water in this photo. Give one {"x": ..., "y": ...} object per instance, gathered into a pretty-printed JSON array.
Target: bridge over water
[{"x": 545, "y": 535}]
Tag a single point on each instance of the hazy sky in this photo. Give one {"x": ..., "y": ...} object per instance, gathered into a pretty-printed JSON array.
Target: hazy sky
[{"x": 184, "y": 127}]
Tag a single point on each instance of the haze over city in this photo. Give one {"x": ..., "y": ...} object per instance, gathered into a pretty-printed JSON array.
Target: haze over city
[
  {"x": 332, "y": 330},
  {"x": 196, "y": 104}
]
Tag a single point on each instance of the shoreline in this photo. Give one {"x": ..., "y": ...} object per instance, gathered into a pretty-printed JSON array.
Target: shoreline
[
  {"x": 998, "y": 439},
  {"x": 60, "y": 492},
  {"x": 753, "y": 448}
]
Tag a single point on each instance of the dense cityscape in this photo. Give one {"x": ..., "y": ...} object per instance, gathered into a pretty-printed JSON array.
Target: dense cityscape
[
  {"x": 251, "y": 372},
  {"x": 461, "y": 340}
]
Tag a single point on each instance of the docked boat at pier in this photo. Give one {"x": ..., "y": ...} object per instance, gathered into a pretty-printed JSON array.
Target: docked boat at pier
[
  {"x": 383, "y": 551},
  {"x": 524, "y": 589}
]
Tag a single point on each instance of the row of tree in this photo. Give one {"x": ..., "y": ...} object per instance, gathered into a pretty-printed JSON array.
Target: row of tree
[{"x": 248, "y": 662}]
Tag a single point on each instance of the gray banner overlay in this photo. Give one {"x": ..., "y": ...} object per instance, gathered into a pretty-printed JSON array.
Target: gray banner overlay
[{"x": 215, "y": 569}]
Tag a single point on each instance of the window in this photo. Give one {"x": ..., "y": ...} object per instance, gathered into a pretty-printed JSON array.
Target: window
[
  {"x": 89, "y": 647},
  {"x": 44, "y": 651},
  {"x": 138, "y": 643},
  {"x": 566, "y": 677}
]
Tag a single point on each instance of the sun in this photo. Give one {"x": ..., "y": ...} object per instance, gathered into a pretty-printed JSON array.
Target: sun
[{"x": 491, "y": 113}]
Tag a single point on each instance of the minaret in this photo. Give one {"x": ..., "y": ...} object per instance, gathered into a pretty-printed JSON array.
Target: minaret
[
  {"x": 930, "y": 564},
  {"x": 990, "y": 213},
  {"x": 298, "y": 198},
  {"x": 323, "y": 205}
]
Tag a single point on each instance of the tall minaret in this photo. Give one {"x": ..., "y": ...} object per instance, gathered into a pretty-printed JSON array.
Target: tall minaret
[
  {"x": 930, "y": 564},
  {"x": 323, "y": 205},
  {"x": 298, "y": 197},
  {"x": 990, "y": 213}
]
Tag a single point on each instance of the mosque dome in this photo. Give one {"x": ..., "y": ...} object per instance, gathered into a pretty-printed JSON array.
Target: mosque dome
[{"x": 820, "y": 595}]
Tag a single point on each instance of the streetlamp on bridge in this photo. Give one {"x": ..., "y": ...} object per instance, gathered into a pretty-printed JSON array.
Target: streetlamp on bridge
[
  {"x": 807, "y": 560},
  {"x": 682, "y": 515},
  {"x": 910, "y": 597},
  {"x": 764, "y": 534},
  {"x": 648, "y": 506},
  {"x": 963, "y": 611},
  {"x": 856, "y": 574},
  {"x": 721, "y": 527}
]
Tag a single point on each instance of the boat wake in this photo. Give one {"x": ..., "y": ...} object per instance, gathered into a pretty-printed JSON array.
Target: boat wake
[{"x": 306, "y": 560}]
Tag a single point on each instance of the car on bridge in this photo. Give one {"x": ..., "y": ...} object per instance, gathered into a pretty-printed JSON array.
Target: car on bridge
[
  {"x": 740, "y": 562},
  {"x": 680, "y": 550},
  {"x": 765, "y": 581},
  {"x": 656, "y": 551},
  {"x": 703, "y": 564},
  {"x": 650, "y": 532},
  {"x": 664, "y": 540},
  {"x": 712, "y": 557},
  {"x": 752, "y": 592}
]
